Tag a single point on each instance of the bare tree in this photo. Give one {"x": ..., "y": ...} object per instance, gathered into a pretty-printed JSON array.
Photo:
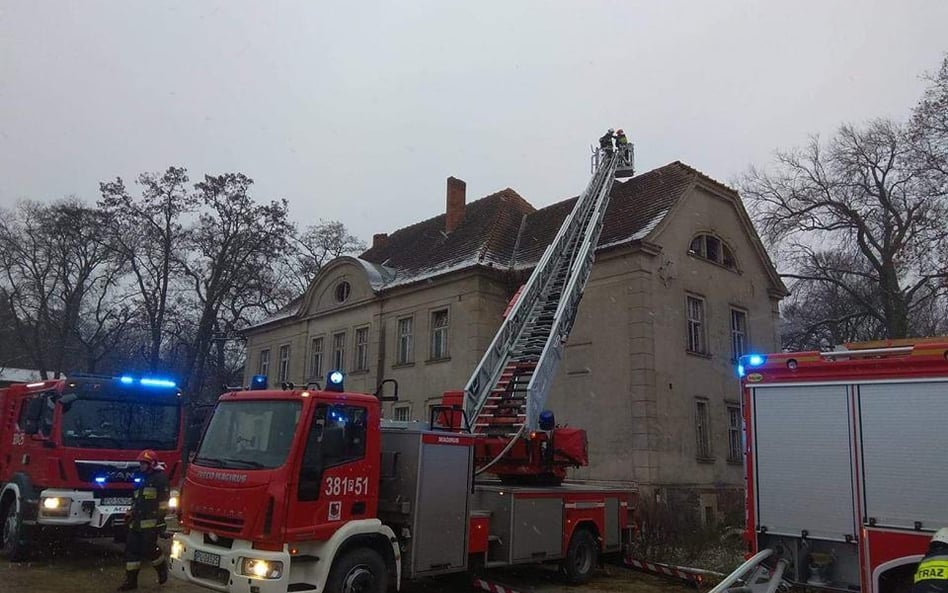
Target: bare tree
[
  {"x": 929, "y": 125},
  {"x": 147, "y": 231},
  {"x": 55, "y": 261},
  {"x": 233, "y": 247},
  {"x": 857, "y": 216},
  {"x": 316, "y": 245}
]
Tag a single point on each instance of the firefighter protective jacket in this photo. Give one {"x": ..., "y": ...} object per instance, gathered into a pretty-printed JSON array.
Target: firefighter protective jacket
[
  {"x": 932, "y": 573},
  {"x": 150, "y": 502}
]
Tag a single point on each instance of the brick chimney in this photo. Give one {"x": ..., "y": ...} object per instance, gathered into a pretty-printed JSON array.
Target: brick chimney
[
  {"x": 379, "y": 240},
  {"x": 454, "y": 212}
]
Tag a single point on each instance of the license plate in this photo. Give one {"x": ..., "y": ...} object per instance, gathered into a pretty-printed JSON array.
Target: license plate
[
  {"x": 116, "y": 501},
  {"x": 203, "y": 557}
]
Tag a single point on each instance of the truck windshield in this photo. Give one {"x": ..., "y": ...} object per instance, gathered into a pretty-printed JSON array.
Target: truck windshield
[
  {"x": 112, "y": 424},
  {"x": 249, "y": 434}
]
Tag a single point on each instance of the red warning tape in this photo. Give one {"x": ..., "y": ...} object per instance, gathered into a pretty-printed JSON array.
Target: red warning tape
[
  {"x": 492, "y": 587},
  {"x": 664, "y": 569}
]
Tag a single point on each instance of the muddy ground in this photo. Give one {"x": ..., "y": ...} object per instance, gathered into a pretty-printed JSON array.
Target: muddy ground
[{"x": 97, "y": 567}]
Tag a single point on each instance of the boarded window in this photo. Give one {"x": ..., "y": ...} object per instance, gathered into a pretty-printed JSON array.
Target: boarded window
[{"x": 702, "y": 429}]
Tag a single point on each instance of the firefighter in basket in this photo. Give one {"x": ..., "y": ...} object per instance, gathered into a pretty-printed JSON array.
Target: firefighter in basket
[
  {"x": 932, "y": 573},
  {"x": 146, "y": 521}
]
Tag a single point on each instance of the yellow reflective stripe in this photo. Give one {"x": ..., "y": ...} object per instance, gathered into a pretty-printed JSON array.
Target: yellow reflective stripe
[
  {"x": 133, "y": 565},
  {"x": 150, "y": 492},
  {"x": 932, "y": 569},
  {"x": 147, "y": 523}
]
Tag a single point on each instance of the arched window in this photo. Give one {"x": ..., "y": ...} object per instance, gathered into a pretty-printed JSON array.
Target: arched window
[
  {"x": 712, "y": 248},
  {"x": 342, "y": 291}
]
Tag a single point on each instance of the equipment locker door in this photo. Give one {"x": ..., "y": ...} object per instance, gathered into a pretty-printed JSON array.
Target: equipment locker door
[
  {"x": 803, "y": 458},
  {"x": 905, "y": 475}
]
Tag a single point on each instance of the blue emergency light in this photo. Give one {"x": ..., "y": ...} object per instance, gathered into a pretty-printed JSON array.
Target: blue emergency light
[
  {"x": 258, "y": 382},
  {"x": 334, "y": 381},
  {"x": 150, "y": 382},
  {"x": 100, "y": 480},
  {"x": 755, "y": 360},
  {"x": 126, "y": 380}
]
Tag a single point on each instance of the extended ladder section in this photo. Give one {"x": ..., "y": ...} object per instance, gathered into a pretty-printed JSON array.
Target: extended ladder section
[{"x": 509, "y": 387}]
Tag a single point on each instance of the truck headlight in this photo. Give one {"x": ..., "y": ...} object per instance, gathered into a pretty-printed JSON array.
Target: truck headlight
[
  {"x": 177, "y": 550},
  {"x": 55, "y": 506},
  {"x": 261, "y": 569}
]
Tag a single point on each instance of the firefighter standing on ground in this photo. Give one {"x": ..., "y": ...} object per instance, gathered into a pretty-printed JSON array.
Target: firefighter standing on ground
[
  {"x": 146, "y": 520},
  {"x": 932, "y": 573}
]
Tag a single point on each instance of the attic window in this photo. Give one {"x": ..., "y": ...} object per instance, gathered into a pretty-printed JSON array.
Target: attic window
[
  {"x": 342, "y": 291},
  {"x": 712, "y": 248}
]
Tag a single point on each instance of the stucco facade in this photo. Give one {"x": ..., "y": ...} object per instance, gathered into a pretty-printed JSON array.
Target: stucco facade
[{"x": 648, "y": 369}]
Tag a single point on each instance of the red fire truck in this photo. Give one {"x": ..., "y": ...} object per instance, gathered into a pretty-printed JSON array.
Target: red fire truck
[
  {"x": 309, "y": 490},
  {"x": 846, "y": 476},
  {"x": 68, "y": 451}
]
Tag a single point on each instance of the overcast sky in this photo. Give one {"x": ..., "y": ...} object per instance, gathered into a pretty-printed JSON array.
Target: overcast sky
[{"x": 358, "y": 111}]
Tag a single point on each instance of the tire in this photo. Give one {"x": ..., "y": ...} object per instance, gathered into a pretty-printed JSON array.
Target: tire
[
  {"x": 582, "y": 557},
  {"x": 359, "y": 571},
  {"x": 12, "y": 544}
]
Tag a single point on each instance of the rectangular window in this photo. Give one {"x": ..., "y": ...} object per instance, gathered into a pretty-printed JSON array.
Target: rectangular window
[
  {"x": 735, "y": 450},
  {"x": 362, "y": 349},
  {"x": 439, "y": 334},
  {"x": 404, "y": 340},
  {"x": 697, "y": 340},
  {"x": 401, "y": 413},
  {"x": 336, "y": 437},
  {"x": 284, "y": 363},
  {"x": 264, "y": 368},
  {"x": 316, "y": 362},
  {"x": 339, "y": 351},
  {"x": 703, "y": 429},
  {"x": 738, "y": 334}
]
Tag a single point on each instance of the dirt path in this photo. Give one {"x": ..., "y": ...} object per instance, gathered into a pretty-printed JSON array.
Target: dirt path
[{"x": 87, "y": 567}]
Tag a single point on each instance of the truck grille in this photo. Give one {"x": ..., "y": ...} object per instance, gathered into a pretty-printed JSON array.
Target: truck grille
[{"x": 217, "y": 523}]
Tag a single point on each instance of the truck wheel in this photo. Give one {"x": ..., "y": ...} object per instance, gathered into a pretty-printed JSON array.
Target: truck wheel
[
  {"x": 582, "y": 556},
  {"x": 360, "y": 571},
  {"x": 11, "y": 533}
]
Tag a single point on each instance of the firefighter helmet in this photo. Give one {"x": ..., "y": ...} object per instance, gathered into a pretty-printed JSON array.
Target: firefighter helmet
[
  {"x": 148, "y": 456},
  {"x": 941, "y": 536}
]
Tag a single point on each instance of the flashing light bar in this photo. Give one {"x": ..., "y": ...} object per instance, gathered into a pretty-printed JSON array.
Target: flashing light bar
[
  {"x": 149, "y": 382},
  {"x": 126, "y": 380},
  {"x": 100, "y": 480},
  {"x": 755, "y": 360}
]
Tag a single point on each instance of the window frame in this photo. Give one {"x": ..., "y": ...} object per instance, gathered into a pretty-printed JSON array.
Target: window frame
[
  {"x": 723, "y": 254},
  {"x": 435, "y": 331},
  {"x": 263, "y": 364},
  {"x": 283, "y": 368},
  {"x": 702, "y": 422},
  {"x": 741, "y": 334},
  {"x": 404, "y": 350},
  {"x": 339, "y": 351},
  {"x": 401, "y": 407},
  {"x": 735, "y": 441},
  {"x": 361, "y": 351},
  {"x": 702, "y": 326},
  {"x": 316, "y": 357}
]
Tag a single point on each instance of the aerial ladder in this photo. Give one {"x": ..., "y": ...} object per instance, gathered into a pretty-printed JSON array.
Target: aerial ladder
[{"x": 504, "y": 399}]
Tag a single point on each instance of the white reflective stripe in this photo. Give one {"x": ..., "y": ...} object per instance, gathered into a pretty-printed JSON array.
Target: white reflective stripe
[{"x": 585, "y": 505}]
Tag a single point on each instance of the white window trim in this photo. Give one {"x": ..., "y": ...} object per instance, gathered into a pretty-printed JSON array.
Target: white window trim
[
  {"x": 316, "y": 370},
  {"x": 283, "y": 370},
  {"x": 446, "y": 353},
  {"x": 703, "y": 323},
  {"x": 407, "y": 356},
  {"x": 360, "y": 349}
]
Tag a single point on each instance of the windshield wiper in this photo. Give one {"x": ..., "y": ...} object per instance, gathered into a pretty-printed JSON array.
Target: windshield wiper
[
  {"x": 246, "y": 462},
  {"x": 212, "y": 461}
]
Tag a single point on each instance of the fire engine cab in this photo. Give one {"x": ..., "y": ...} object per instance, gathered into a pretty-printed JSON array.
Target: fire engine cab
[
  {"x": 846, "y": 473},
  {"x": 68, "y": 451}
]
